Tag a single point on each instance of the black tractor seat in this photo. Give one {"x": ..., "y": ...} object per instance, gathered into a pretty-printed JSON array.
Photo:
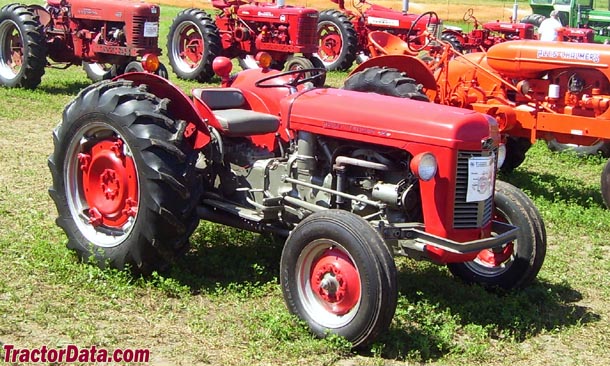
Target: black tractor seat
[{"x": 233, "y": 113}]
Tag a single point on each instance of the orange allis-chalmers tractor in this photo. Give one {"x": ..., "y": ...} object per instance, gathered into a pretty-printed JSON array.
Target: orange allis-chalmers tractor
[{"x": 555, "y": 91}]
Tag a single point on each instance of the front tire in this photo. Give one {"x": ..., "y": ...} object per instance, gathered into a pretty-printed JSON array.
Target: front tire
[
  {"x": 193, "y": 43},
  {"x": 516, "y": 149},
  {"x": 98, "y": 72},
  {"x": 385, "y": 81},
  {"x": 22, "y": 47},
  {"x": 123, "y": 178},
  {"x": 338, "y": 275},
  {"x": 338, "y": 40},
  {"x": 516, "y": 264}
]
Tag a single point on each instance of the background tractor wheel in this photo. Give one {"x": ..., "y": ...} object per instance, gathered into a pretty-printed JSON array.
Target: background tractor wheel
[
  {"x": 22, "y": 47},
  {"x": 302, "y": 63},
  {"x": 533, "y": 19},
  {"x": 516, "y": 264},
  {"x": 98, "y": 72},
  {"x": 601, "y": 147},
  {"x": 192, "y": 44},
  {"x": 338, "y": 40},
  {"x": 337, "y": 274},
  {"x": 123, "y": 178},
  {"x": 385, "y": 81},
  {"x": 453, "y": 40},
  {"x": 516, "y": 149}
]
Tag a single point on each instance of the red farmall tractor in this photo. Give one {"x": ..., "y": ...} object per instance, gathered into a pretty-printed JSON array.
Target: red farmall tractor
[
  {"x": 137, "y": 163},
  {"x": 240, "y": 30},
  {"x": 555, "y": 91},
  {"x": 481, "y": 37},
  {"x": 107, "y": 37},
  {"x": 343, "y": 34}
]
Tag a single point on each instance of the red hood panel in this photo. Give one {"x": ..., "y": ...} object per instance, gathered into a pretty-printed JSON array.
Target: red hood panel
[{"x": 340, "y": 111}]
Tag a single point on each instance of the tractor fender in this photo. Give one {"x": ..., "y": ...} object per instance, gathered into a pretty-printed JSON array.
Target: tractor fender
[
  {"x": 181, "y": 106},
  {"x": 412, "y": 66}
]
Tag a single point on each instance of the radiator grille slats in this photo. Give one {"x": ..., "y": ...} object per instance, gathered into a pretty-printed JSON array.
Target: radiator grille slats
[{"x": 468, "y": 215}]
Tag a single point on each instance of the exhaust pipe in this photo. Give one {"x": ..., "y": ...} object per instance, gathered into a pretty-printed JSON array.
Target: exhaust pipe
[{"x": 405, "y": 6}]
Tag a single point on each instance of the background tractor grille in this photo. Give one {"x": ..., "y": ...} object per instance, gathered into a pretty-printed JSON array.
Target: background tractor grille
[
  {"x": 308, "y": 30},
  {"x": 139, "y": 41},
  {"x": 468, "y": 215}
]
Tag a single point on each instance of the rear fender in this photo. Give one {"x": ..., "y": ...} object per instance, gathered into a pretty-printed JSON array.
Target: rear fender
[
  {"x": 180, "y": 106},
  {"x": 411, "y": 66},
  {"x": 44, "y": 17}
]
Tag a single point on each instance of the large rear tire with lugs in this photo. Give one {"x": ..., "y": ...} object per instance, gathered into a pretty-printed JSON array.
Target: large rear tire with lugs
[
  {"x": 124, "y": 181},
  {"x": 23, "y": 49},
  {"x": 192, "y": 44},
  {"x": 338, "y": 275},
  {"x": 385, "y": 81},
  {"x": 338, "y": 40},
  {"x": 516, "y": 264}
]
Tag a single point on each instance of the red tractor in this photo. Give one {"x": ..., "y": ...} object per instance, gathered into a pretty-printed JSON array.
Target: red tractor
[
  {"x": 343, "y": 34},
  {"x": 349, "y": 184},
  {"x": 241, "y": 30},
  {"x": 108, "y": 38},
  {"x": 555, "y": 91},
  {"x": 491, "y": 33}
]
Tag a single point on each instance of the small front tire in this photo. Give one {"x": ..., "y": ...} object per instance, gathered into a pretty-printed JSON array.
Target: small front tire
[{"x": 338, "y": 275}]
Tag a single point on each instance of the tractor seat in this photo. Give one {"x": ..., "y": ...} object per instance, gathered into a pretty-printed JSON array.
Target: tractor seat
[
  {"x": 245, "y": 122},
  {"x": 235, "y": 118}
]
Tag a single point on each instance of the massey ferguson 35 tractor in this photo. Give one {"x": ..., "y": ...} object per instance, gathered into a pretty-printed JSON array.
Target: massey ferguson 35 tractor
[
  {"x": 107, "y": 37},
  {"x": 137, "y": 164},
  {"x": 555, "y": 91},
  {"x": 343, "y": 34},
  {"x": 241, "y": 30}
]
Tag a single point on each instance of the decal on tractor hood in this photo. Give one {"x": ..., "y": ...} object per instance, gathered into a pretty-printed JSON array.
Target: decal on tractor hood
[
  {"x": 357, "y": 129},
  {"x": 382, "y": 21},
  {"x": 567, "y": 54},
  {"x": 481, "y": 174}
]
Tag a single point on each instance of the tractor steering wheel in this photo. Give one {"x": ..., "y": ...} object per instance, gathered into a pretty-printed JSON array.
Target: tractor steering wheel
[
  {"x": 469, "y": 14},
  {"x": 292, "y": 83},
  {"x": 425, "y": 34}
]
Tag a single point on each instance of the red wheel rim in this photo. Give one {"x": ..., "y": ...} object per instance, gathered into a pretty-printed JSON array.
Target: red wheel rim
[
  {"x": 330, "y": 43},
  {"x": 335, "y": 281},
  {"x": 191, "y": 46},
  {"x": 109, "y": 182}
]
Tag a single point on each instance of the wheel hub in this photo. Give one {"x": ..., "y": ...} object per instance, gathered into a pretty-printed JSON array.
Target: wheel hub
[
  {"x": 335, "y": 281},
  {"x": 109, "y": 182},
  {"x": 495, "y": 258}
]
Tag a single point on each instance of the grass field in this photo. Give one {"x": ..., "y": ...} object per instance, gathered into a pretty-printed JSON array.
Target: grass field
[{"x": 221, "y": 304}]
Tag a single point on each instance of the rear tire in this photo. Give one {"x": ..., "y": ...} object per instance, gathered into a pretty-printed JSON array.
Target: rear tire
[
  {"x": 124, "y": 180},
  {"x": 605, "y": 184},
  {"x": 453, "y": 40},
  {"x": 533, "y": 19},
  {"x": 516, "y": 264},
  {"x": 193, "y": 43},
  {"x": 338, "y": 40},
  {"x": 23, "y": 49},
  {"x": 385, "y": 81},
  {"x": 338, "y": 275}
]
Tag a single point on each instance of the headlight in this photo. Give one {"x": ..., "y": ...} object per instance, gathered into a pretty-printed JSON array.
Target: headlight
[
  {"x": 424, "y": 166},
  {"x": 501, "y": 155}
]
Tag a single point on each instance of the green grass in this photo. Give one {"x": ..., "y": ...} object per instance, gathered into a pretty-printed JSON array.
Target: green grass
[{"x": 221, "y": 304}]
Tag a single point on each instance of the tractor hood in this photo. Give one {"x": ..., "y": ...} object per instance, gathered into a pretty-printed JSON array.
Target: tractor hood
[
  {"x": 532, "y": 58},
  {"x": 274, "y": 12},
  {"x": 387, "y": 120},
  {"x": 112, "y": 10}
]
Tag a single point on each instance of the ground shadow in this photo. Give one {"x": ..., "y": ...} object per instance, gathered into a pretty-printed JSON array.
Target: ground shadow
[
  {"x": 71, "y": 88},
  {"x": 519, "y": 315}
]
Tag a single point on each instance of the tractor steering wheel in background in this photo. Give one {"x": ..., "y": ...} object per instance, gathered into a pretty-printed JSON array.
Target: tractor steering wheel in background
[
  {"x": 469, "y": 14},
  {"x": 425, "y": 36},
  {"x": 300, "y": 78}
]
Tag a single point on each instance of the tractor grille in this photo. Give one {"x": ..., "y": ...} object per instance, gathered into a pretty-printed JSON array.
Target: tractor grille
[
  {"x": 308, "y": 30},
  {"x": 138, "y": 39},
  {"x": 468, "y": 215}
]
